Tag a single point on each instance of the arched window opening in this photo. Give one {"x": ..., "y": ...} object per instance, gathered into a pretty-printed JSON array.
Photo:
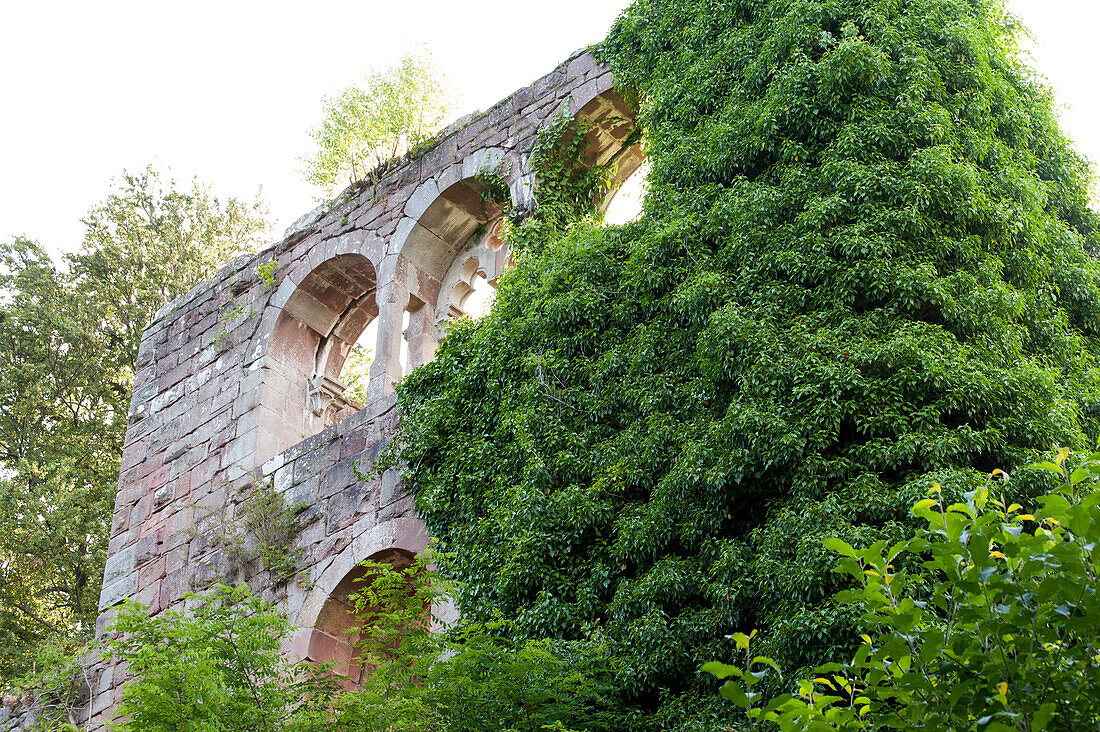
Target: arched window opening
[
  {"x": 452, "y": 241},
  {"x": 480, "y": 300},
  {"x": 611, "y": 140},
  {"x": 322, "y": 322},
  {"x": 626, "y": 202}
]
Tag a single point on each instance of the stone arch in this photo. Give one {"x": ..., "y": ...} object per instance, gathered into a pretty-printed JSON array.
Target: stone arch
[
  {"x": 324, "y": 310},
  {"x": 404, "y": 534},
  {"x": 613, "y": 121},
  {"x": 445, "y": 211},
  {"x": 447, "y": 217},
  {"x": 333, "y": 637},
  {"x": 327, "y": 613}
]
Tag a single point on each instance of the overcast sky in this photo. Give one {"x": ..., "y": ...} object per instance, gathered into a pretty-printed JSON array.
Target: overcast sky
[{"x": 228, "y": 89}]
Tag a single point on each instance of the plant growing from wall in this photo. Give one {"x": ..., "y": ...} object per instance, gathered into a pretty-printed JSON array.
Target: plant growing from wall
[
  {"x": 261, "y": 534},
  {"x": 567, "y": 187},
  {"x": 863, "y": 267},
  {"x": 218, "y": 667},
  {"x": 265, "y": 272},
  {"x": 494, "y": 189},
  {"x": 230, "y": 315},
  {"x": 1006, "y": 640}
]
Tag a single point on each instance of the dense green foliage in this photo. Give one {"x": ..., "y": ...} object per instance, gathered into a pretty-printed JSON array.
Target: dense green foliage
[
  {"x": 863, "y": 266},
  {"x": 1009, "y": 638},
  {"x": 219, "y": 668},
  {"x": 68, "y": 340},
  {"x": 62, "y": 407}
]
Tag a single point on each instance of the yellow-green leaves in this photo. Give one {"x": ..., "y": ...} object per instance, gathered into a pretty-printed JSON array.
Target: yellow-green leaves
[
  {"x": 369, "y": 124},
  {"x": 1004, "y": 638}
]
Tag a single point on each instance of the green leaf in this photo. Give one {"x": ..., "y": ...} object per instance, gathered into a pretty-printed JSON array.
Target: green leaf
[
  {"x": 741, "y": 640},
  {"x": 721, "y": 670},
  {"x": 839, "y": 546},
  {"x": 732, "y": 691}
]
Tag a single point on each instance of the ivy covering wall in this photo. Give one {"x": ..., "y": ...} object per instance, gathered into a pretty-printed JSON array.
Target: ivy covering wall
[{"x": 863, "y": 266}]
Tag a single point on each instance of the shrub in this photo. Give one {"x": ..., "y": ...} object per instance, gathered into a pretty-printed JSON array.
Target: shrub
[
  {"x": 218, "y": 669},
  {"x": 1008, "y": 639}
]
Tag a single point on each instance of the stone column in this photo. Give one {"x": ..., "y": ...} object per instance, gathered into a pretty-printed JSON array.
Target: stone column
[
  {"x": 421, "y": 334},
  {"x": 386, "y": 370}
]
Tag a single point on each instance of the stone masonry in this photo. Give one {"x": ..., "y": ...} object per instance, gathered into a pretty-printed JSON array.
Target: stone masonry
[{"x": 238, "y": 381}]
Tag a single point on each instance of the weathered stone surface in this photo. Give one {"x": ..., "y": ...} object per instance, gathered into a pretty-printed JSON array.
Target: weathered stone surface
[
  {"x": 218, "y": 406},
  {"x": 117, "y": 591}
]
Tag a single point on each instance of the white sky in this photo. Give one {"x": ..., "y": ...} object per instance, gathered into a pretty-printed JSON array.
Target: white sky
[{"x": 228, "y": 89}]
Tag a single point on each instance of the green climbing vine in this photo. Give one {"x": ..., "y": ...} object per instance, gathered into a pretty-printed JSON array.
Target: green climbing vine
[
  {"x": 863, "y": 267},
  {"x": 261, "y": 535},
  {"x": 568, "y": 188}
]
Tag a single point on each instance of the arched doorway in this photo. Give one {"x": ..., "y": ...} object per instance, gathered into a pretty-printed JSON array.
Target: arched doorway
[{"x": 338, "y": 630}]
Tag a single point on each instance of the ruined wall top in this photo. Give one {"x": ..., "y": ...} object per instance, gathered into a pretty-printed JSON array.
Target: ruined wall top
[{"x": 239, "y": 380}]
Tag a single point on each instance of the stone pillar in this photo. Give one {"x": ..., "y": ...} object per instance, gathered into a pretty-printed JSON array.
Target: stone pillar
[
  {"x": 421, "y": 334},
  {"x": 386, "y": 370}
]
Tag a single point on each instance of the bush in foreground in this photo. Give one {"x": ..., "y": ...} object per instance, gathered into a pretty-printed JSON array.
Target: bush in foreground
[{"x": 1008, "y": 639}]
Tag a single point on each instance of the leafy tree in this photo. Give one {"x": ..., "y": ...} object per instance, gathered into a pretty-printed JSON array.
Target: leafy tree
[
  {"x": 1008, "y": 639},
  {"x": 863, "y": 265},
  {"x": 396, "y": 649},
  {"x": 150, "y": 241},
  {"x": 368, "y": 125},
  {"x": 68, "y": 340},
  {"x": 59, "y": 682},
  {"x": 356, "y": 372},
  {"x": 62, "y": 407},
  {"x": 217, "y": 669},
  {"x": 472, "y": 680}
]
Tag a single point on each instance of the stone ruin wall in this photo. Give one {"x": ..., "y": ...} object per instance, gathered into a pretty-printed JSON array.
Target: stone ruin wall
[{"x": 238, "y": 381}]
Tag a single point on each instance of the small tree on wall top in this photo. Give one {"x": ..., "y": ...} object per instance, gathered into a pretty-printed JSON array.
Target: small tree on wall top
[{"x": 371, "y": 123}]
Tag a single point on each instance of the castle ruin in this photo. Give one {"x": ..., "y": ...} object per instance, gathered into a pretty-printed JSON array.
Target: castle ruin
[{"x": 238, "y": 381}]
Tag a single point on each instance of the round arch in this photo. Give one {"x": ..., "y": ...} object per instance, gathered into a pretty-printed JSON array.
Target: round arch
[
  {"x": 326, "y": 619},
  {"x": 322, "y": 317},
  {"x": 449, "y": 219}
]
